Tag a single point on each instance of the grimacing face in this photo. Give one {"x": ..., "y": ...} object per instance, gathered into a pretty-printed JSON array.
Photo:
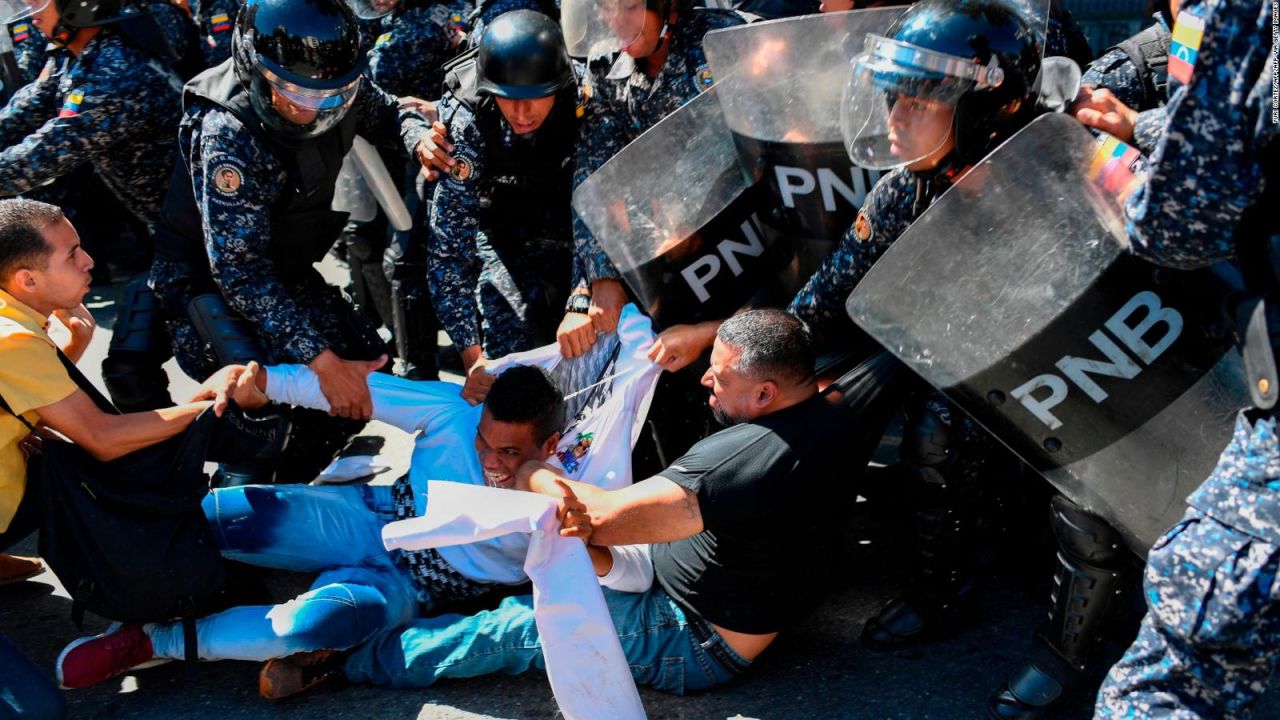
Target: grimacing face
[
  {"x": 731, "y": 390},
  {"x": 503, "y": 447}
]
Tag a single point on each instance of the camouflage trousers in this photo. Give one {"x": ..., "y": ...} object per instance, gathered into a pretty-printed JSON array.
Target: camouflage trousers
[
  {"x": 1211, "y": 637},
  {"x": 522, "y": 291}
]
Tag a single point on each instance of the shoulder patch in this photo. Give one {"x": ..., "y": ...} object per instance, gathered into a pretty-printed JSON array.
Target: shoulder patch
[
  {"x": 226, "y": 181},
  {"x": 584, "y": 97},
  {"x": 462, "y": 170},
  {"x": 383, "y": 39},
  {"x": 220, "y": 23},
  {"x": 21, "y": 32},
  {"x": 862, "y": 229},
  {"x": 704, "y": 78},
  {"x": 1184, "y": 46},
  {"x": 71, "y": 105}
]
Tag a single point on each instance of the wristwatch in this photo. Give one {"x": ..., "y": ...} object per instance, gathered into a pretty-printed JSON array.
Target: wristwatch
[{"x": 578, "y": 303}]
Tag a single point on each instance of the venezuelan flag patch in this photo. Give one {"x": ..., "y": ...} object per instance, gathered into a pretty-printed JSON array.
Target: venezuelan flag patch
[
  {"x": 71, "y": 106},
  {"x": 220, "y": 23},
  {"x": 1112, "y": 168},
  {"x": 1184, "y": 46},
  {"x": 21, "y": 32}
]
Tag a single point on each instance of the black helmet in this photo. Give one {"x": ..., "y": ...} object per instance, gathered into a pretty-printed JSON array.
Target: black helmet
[
  {"x": 522, "y": 56},
  {"x": 72, "y": 14},
  {"x": 300, "y": 61},
  {"x": 979, "y": 57}
]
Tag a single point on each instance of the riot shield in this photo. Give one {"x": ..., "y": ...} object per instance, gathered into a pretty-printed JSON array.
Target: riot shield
[
  {"x": 673, "y": 213},
  {"x": 780, "y": 87},
  {"x": 1117, "y": 380}
]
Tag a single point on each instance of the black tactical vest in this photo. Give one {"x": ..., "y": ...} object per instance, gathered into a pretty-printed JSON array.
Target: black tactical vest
[
  {"x": 303, "y": 227},
  {"x": 1149, "y": 53},
  {"x": 526, "y": 186}
]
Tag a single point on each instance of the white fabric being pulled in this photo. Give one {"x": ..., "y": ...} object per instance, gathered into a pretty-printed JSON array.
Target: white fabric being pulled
[{"x": 588, "y": 672}]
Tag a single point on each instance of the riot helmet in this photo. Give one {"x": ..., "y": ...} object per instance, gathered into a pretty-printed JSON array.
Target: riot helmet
[
  {"x": 595, "y": 28},
  {"x": 950, "y": 78},
  {"x": 522, "y": 56},
  {"x": 372, "y": 9},
  {"x": 301, "y": 63},
  {"x": 73, "y": 15}
]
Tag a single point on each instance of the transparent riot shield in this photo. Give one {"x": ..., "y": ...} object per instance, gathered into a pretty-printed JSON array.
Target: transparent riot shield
[
  {"x": 674, "y": 214},
  {"x": 1013, "y": 294},
  {"x": 780, "y": 87}
]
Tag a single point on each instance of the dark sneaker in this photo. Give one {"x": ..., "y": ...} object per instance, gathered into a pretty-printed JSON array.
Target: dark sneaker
[
  {"x": 91, "y": 660},
  {"x": 284, "y": 677}
]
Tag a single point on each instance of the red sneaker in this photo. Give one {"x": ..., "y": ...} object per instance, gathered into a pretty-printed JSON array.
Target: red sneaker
[{"x": 91, "y": 660}]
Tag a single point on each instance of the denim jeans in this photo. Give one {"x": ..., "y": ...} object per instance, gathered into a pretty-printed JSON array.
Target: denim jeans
[
  {"x": 25, "y": 691},
  {"x": 336, "y": 531},
  {"x": 666, "y": 650}
]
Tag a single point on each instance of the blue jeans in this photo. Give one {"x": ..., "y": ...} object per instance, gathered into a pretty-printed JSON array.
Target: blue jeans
[
  {"x": 336, "y": 531},
  {"x": 666, "y": 650},
  {"x": 25, "y": 691}
]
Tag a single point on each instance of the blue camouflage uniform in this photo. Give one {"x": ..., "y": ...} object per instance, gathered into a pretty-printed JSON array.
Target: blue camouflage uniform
[
  {"x": 296, "y": 315},
  {"x": 215, "y": 19},
  {"x": 1117, "y": 71},
  {"x": 28, "y": 49},
  {"x": 412, "y": 46},
  {"x": 1211, "y": 638},
  {"x": 114, "y": 107},
  {"x": 621, "y": 102},
  {"x": 500, "y": 250}
]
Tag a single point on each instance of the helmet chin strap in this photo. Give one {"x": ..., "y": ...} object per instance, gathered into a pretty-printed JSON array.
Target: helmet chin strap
[{"x": 63, "y": 34}]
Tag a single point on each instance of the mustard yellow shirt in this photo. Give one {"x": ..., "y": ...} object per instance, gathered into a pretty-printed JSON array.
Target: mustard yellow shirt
[{"x": 30, "y": 377}]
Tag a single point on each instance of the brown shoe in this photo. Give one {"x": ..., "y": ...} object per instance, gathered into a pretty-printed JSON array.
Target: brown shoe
[
  {"x": 284, "y": 677},
  {"x": 15, "y": 568}
]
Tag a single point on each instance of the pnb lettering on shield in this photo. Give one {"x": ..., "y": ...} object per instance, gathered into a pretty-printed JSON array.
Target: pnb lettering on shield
[{"x": 1143, "y": 325}]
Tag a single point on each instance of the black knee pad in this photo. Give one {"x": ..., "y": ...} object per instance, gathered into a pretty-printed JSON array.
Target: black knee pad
[{"x": 1083, "y": 535}]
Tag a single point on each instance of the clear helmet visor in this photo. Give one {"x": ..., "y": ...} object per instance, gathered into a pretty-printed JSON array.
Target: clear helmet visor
[
  {"x": 899, "y": 105},
  {"x": 371, "y": 9},
  {"x": 297, "y": 111},
  {"x": 593, "y": 28},
  {"x": 14, "y": 10}
]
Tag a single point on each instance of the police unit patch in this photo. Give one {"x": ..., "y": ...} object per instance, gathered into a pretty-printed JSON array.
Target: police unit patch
[
  {"x": 1184, "y": 46},
  {"x": 461, "y": 171},
  {"x": 227, "y": 179},
  {"x": 862, "y": 227},
  {"x": 71, "y": 106},
  {"x": 705, "y": 80}
]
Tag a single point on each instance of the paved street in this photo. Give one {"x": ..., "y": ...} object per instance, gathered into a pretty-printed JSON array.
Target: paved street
[{"x": 816, "y": 671}]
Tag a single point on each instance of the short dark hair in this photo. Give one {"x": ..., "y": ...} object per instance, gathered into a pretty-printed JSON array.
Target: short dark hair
[
  {"x": 773, "y": 344},
  {"x": 21, "y": 244},
  {"x": 527, "y": 394}
]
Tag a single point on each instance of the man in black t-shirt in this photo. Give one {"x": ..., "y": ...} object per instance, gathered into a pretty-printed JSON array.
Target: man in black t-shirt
[{"x": 730, "y": 576}]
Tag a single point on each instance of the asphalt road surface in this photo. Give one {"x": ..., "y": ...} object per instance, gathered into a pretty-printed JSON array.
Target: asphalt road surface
[{"x": 816, "y": 671}]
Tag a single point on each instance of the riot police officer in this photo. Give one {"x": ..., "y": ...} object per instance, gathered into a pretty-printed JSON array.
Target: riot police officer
[
  {"x": 950, "y": 81},
  {"x": 248, "y": 211},
  {"x": 500, "y": 246},
  {"x": 1207, "y": 646},
  {"x": 644, "y": 63}
]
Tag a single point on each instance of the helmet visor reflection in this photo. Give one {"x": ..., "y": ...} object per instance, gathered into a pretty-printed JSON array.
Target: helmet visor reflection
[
  {"x": 593, "y": 28},
  {"x": 310, "y": 98},
  {"x": 371, "y": 9},
  {"x": 13, "y": 10},
  {"x": 899, "y": 105}
]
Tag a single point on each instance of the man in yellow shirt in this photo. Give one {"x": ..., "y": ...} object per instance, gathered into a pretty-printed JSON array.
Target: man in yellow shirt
[{"x": 45, "y": 273}]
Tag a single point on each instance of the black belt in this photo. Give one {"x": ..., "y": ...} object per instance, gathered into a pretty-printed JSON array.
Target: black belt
[{"x": 708, "y": 639}]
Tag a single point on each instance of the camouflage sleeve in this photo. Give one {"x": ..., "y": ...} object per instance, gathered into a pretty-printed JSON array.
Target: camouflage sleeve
[
  {"x": 453, "y": 265},
  {"x": 1205, "y": 172},
  {"x": 216, "y": 19},
  {"x": 1115, "y": 72},
  {"x": 601, "y": 135},
  {"x": 822, "y": 299},
  {"x": 1149, "y": 129},
  {"x": 86, "y": 124},
  {"x": 22, "y": 115},
  {"x": 28, "y": 49},
  {"x": 409, "y": 58},
  {"x": 382, "y": 121},
  {"x": 235, "y": 184}
]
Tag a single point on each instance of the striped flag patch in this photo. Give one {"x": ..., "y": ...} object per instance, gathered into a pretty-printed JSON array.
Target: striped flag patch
[
  {"x": 1112, "y": 168},
  {"x": 21, "y": 32},
  {"x": 1184, "y": 47},
  {"x": 220, "y": 23},
  {"x": 71, "y": 106}
]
